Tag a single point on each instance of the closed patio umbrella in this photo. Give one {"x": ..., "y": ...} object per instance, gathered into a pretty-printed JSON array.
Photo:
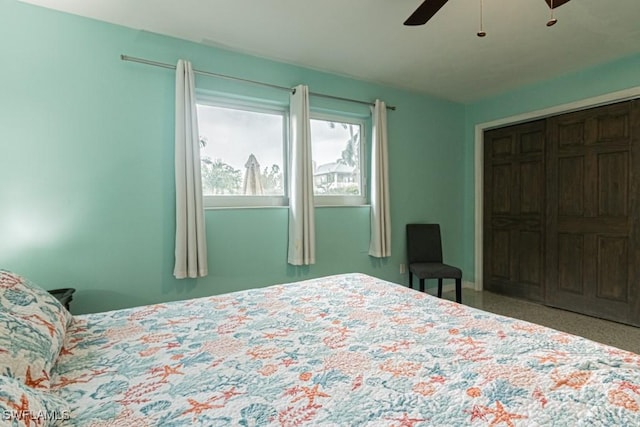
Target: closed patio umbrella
[{"x": 252, "y": 179}]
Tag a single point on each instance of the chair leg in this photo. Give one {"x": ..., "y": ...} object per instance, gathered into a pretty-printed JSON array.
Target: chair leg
[
  {"x": 421, "y": 285},
  {"x": 410, "y": 279},
  {"x": 459, "y": 291},
  {"x": 440, "y": 287}
]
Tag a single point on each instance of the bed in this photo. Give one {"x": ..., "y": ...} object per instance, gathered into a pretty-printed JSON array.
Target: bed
[{"x": 344, "y": 350}]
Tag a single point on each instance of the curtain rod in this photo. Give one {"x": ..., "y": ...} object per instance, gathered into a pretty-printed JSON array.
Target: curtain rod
[{"x": 223, "y": 76}]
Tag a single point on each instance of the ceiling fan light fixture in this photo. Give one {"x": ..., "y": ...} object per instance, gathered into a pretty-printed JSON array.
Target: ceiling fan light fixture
[
  {"x": 428, "y": 8},
  {"x": 552, "y": 21}
]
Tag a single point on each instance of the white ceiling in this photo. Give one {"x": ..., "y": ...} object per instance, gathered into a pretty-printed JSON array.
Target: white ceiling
[{"x": 366, "y": 39}]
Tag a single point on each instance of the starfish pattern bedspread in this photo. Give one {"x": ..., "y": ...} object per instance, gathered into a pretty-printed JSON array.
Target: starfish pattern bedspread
[{"x": 345, "y": 350}]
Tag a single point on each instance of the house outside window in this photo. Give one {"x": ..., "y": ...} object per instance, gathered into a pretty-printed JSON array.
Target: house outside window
[{"x": 338, "y": 160}]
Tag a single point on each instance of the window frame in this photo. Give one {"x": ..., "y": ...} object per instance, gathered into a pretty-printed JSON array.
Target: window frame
[
  {"x": 346, "y": 200},
  {"x": 257, "y": 106}
]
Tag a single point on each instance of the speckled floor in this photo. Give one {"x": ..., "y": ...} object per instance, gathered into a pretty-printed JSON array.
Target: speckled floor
[{"x": 611, "y": 333}]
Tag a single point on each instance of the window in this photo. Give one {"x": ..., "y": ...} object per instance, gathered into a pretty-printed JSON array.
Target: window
[
  {"x": 242, "y": 150},
  {"x": 337, "y": 149}
]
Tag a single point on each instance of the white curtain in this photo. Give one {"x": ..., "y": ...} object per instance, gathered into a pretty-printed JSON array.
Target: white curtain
[
  {"x": 191, "y": 245},
  {"x": 302, "y": 238},
  {"x": 380, "y": 243}
]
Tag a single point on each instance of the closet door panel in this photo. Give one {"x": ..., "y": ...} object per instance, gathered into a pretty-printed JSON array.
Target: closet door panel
[
  {"x": 514, "y": 207},
  {"x": 591, "y": 242}
]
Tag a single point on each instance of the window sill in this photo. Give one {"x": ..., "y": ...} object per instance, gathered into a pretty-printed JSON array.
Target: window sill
[
  {"x": 215, "y": 208},
  {"x": 343, "y": 206}
]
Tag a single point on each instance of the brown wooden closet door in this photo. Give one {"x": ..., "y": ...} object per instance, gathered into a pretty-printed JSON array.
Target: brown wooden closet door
[
  {"x": 514, "y": 210},
  {"x": 592, "y": 251}
]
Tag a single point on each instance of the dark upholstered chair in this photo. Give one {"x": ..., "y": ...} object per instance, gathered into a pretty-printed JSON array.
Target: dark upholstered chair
[{"x": 424, "y": 258}]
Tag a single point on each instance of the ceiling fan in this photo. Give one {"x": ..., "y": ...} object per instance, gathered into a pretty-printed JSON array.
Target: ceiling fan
[{"x": 428, "y": 8}]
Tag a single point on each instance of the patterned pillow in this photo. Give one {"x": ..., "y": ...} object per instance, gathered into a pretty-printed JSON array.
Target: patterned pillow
[
  {"x": 32, "y": 328},
  {"x": 22, "y": 405}
]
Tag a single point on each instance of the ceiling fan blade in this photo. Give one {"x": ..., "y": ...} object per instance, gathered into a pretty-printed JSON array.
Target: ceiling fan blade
[
  {"x": 556, "y": 3},
  {"x": 425, "y": 11}
]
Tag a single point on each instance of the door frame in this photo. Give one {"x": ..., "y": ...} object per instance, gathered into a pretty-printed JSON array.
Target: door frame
[{"x": 596, "y": 101}]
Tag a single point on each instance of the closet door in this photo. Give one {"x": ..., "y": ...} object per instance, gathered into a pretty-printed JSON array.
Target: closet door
[
  {"x": 514, "y": 194},
  {"x": 592, "y": 252}
]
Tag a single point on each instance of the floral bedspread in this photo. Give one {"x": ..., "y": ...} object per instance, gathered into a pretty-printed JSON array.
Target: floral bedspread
[{"x": 345, "y": 350}]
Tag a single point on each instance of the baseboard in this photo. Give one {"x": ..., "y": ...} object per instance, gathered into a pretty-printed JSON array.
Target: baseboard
[
  {"x": 451, "y": 287},
  {"x": 448, "y": 286}
]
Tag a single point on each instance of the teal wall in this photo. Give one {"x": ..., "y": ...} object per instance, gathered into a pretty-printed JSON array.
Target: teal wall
[
  {"x": 86, "y": 167},
  {"x": 588, "y": 83}
]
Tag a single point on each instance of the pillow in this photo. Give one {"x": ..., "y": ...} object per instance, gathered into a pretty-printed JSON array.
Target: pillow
[
  {"x": 32, "y": 328},
  {"x": 24, "y": 297},
  {"x": 22, "y": 405}
]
